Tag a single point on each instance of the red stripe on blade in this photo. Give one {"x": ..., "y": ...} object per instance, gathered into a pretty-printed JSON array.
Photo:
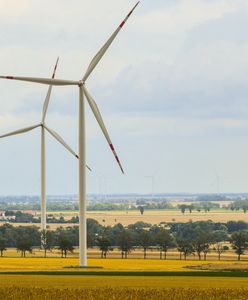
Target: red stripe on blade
[
  {"x": 132, "y": 10},
  {"x": 122, "y": 24},
  {"x": 9, "y": 77}
]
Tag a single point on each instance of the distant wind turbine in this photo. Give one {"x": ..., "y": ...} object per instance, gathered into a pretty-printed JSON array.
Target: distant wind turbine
[
  {"x": 44, "y": 127},
  {"x": 81, "y": 132}
]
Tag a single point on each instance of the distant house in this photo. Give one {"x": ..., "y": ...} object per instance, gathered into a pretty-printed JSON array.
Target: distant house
[{"x": 2, "y": 213}]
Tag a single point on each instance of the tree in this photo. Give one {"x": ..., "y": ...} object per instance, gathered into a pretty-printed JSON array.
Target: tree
[
  {"x": 23, "y": 217},
  {"x": 124, "y": 241},
  {"x": 219, "y": 237},
  {"x": 93, "y": 229},
  {"x": 206, "y": 207},
  {"x": 144, "y": 240},
  {"x": 201, "y": 241},
  {"x": 190, "y": 208},
  {"x": 24, "y": 244},
  {"x": 239, "y": 241},
  {"x": 208, "y": 239},
  {"x": 31, "y": 232},
  {"x": 8, "y": 232},
  {"x": 139, "y": 225},
  {"x": 165, "y": 241},
  {"x": 9, "y": 213},
  {"x": 91, "y": 239},
  {"x": 182, "y": 208},
  {"x": 239, "y": 204},
  {"x": 47, "y": 240},
  {"x": 65, "y": 244},
  {"x": 184, "y": 247},
  {"x": 142, "y": 209},
  {"x": 2, "y": 245},
  {"x": 234, "y": 226},
  {"x": 104, "y": 245}
]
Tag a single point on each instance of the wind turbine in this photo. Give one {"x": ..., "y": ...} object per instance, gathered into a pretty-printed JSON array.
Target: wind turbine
[
  {"x": 54, "y": 134},
  {"x": 83, "y": 92}
]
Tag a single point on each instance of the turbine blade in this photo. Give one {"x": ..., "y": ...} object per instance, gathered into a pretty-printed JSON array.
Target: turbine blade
[
  {"x": 88, "y": 168},
  {"x": 100, "y": 121},
  {"x": 46, "y": 102},
  {"x": 62, "y": 142},
  {"x": 42, "y": 80},
  {"x": 105, "y": 47},
  {"x": 19, "y": 131}
]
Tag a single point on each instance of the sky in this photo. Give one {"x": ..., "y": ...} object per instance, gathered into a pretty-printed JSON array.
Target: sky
[{"x": 172, "y": 89}]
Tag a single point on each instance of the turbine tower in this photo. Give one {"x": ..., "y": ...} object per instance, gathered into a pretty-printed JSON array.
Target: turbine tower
[
  {"x": 83, "y": 93},
  {"x": 55, "y": 135}
]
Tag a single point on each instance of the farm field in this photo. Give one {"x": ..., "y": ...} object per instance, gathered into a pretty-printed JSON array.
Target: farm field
[
  {"x": 94, "y": 253},
  {"x": 126, "y": 293},
  {"x": 158, "y": 282},
  {"x": 111, "y": 218},
  {"x": 152, "y": 216},
  {"x": 58, "y": 264},
  {"x": 37, "y": 278},
  {"x": 158, "y": 216},
  {"x": 77, "y": 286}
]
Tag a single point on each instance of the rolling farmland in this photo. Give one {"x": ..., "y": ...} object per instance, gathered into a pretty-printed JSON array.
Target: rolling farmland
[
  {"x": 29, "y": 282},
  {"x": 155, "y": 216}
]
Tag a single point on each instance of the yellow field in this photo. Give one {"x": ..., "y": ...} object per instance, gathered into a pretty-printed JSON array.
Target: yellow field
[
  {"x": 59, "y": 264},
  {"x": 71, "y": 287},
  {"x": 108, "y": 293},
  {"x": 74, "y": 282},
  {"x": 13, "y": 287},
  {"x": 150, "y": 216},
  {"x": 156, "y": 216},
  {"x": 88, "y": 287}
]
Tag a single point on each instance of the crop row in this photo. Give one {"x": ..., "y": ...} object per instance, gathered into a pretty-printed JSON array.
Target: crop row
[{"x": 13, "y": 293}]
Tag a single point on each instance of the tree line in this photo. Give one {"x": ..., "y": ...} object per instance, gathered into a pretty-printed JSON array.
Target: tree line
[
  {"x": 192, "y": 238},
  {"x": 239, "y": 205},
  {"x": 142, "y": 205},
  {"x": 22, "y": 217}
]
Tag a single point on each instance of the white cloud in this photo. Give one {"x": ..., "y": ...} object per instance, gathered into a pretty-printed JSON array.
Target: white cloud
[
  {"x": 11, "y": 10},
  {"x": 184, "y": 15},
  {"x": 174, "y": 76}
]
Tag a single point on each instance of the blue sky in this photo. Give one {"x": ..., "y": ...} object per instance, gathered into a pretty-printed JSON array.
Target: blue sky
[{"x": 172, "y": 90}]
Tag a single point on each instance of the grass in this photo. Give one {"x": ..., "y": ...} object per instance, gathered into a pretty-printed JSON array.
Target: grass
[{"x": 130, "y": 273}]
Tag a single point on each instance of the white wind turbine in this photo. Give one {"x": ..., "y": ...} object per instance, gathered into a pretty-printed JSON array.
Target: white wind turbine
[
  {"x": 81, "y": 130},
  {"x": 44, "y": 127}
]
